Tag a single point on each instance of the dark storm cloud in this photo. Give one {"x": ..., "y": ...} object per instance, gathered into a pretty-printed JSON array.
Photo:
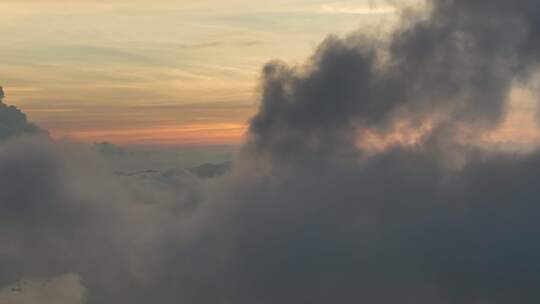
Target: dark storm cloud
[
  {"x": 460, "y": 60},
  {"x": 304, "y": 216},
  {"x": 400, "y": 227}
]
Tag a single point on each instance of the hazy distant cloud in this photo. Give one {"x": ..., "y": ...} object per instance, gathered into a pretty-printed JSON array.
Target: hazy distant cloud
[
  {"x": 108, "y": 149},
  {"x": 201, "y": 45},
  {"x": 213, "y": 44},
  {"x": 250, "y": 43},
  {"x": 358, "y": 9},
  {"x": 64, "y": 211}
]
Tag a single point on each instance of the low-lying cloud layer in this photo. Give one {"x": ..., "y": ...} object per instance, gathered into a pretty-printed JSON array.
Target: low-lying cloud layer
[{"x": 305, "y": 215}]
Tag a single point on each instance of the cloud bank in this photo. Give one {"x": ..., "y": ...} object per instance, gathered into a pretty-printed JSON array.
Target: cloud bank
[{"x": 305, "y": 214}]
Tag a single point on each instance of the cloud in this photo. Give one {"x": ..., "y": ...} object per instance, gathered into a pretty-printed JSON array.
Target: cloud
[
  {"x": 456, "y": 64},
  {"x": 13, "y": 122},
  {"x": 64, "y": 211},
  {"x": 305, "y": 215},
  {"x": 249, "y": 43},
  {"x": 216, "y": 44},
  {"x": 340, "y": 8},
  {"x": 65, "y": 289}
]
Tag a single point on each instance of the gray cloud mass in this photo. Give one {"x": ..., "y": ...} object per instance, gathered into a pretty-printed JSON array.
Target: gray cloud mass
[
  {"x": 13, "y": 122},
  {"x": 305, "y": 215}
]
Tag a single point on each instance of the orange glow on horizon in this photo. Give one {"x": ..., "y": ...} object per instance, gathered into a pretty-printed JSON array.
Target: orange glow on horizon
[{"x": 196, "y": 134}]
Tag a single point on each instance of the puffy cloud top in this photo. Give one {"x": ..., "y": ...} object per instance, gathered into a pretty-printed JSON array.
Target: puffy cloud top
[{"x": 13, "y": 122}]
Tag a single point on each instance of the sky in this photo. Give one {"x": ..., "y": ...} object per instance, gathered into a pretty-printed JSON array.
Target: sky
[
  {"x": 160, "y": 72},
  {"x": 377, "y": 171}
]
